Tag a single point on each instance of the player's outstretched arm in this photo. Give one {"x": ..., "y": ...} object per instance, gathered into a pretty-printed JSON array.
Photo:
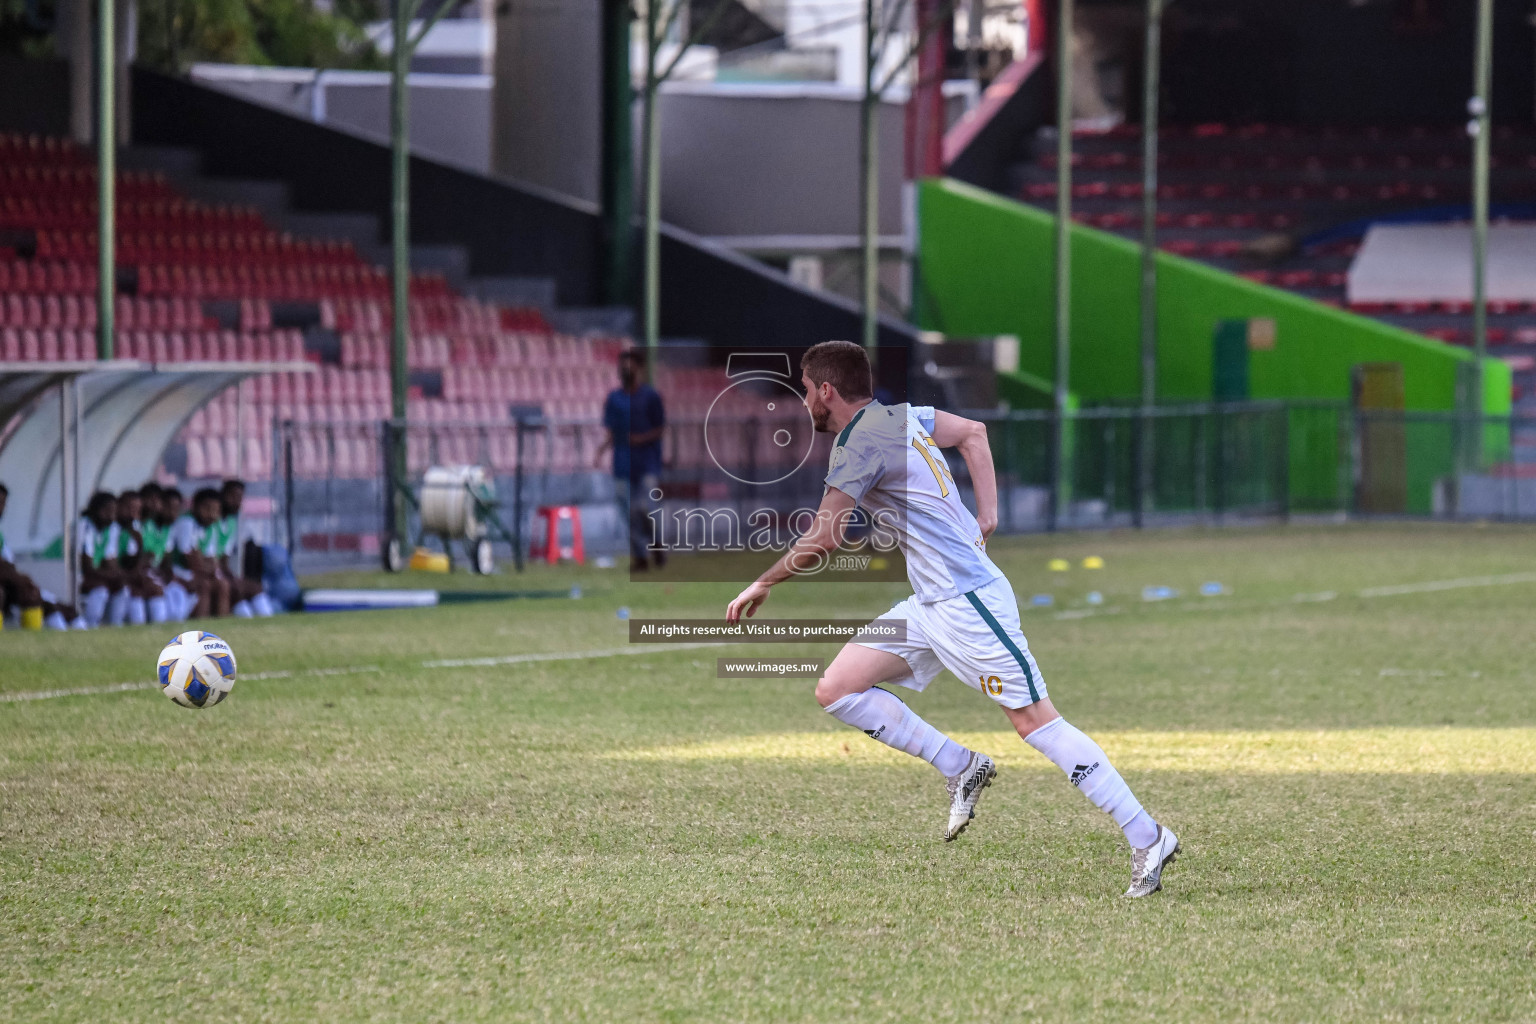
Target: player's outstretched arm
[
  {"x": 970, "y": 436},
  {"x": 825, "y": 535}
]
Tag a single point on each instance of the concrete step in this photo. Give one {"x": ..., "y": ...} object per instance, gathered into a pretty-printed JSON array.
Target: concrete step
[
  {"x": 361, "y": 229},
  {"x": 593, "y": 320},
  {"x": 175, "y": 162},
  {"x": 535, "y": 292},
  {"x": 270, "y": 197},
  {"x": 451, "y": 261}
]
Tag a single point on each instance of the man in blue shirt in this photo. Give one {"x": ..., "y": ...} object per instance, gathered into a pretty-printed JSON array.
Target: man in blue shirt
[{"x": 634, "y": 418}]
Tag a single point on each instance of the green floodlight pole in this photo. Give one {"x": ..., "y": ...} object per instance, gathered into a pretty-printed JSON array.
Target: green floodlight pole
[
  {"x": 1480, "y": 129},
  {"x": 618, "y": 169},
  {"x": 402, "y": 47},
  {"x": 651, "y": 301},
  {"x": 1063, "y": 312},
  {"x": 656, "y": 29},
  {"x": 106, "y": 178},
  {"x": 1151, "y": 73},
  {"x": 876, "y": 39},
  {"x": 869, "y": 184}
]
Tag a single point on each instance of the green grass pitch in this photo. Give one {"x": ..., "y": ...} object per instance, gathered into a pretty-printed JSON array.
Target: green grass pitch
[{"x": 627, "y": 837}]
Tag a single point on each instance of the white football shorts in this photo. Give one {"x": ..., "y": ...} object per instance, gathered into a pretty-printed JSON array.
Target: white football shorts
[{"x": 976, "y": 636}]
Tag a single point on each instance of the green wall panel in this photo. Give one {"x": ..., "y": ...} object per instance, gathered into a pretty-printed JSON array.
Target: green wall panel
[{"x": 985, "y": 267}]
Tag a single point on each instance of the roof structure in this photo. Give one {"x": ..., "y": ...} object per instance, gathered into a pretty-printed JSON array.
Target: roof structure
[{"x": 129, "y": 411}]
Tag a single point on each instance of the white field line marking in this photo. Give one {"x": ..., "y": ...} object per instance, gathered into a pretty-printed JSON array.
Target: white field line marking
[
  {"x": 88, "y": 691},
  {"x": 1434, "y": 585},
  {"x": 78, "y": 691},
  {"x": 345, "y": 670},
  {"x": 521, "y": 659}
]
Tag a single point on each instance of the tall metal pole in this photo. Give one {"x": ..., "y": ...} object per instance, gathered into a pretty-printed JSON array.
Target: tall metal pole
[
  {"x": 240, "y": 431},
  {"x": 74, "y": 444},
  {"x": 618, "y": 170},
  {"x": 973, "y": 15},
  {"x": 869, "y": 184},
  {"x": 1060, "y": 446},
  {"x": 68, "y": 492},
  {"x": 1480, "y": 127},
  {"x": 1151, "y": 74},
  {"x": 400, "y": 253},
  {"x": 659, "y": 23},
  {"x": 652, "y": 182},
  {"x": 106, "y": 177}
]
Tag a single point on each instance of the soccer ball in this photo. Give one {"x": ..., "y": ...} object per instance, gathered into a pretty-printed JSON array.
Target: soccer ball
[{"x": 196, "y": 669}]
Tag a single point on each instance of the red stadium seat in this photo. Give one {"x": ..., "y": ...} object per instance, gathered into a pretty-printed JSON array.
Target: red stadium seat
[{"x": 197, "y": 462}]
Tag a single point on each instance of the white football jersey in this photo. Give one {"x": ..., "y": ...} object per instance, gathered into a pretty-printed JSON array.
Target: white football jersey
[
  {"x": 96, "y": 545},
  {"x": 886, "y": 460},
  {"x": 188, "y": 535}
]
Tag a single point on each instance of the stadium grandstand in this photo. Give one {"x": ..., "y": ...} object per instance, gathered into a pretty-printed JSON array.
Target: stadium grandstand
[{"x": 247, "y": 234}]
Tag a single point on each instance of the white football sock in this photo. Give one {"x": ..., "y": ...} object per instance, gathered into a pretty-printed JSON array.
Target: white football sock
[
  {"x": 159, "y": 609},
  {"x": 1088, "y": 768},
  {"x": 1141, "y": 831},
  {"x": 261, "y": 604},
  {"x": 180, "y": 601},
  {"x": 56, "y": 621},
  {"x": 96, "y": 606},
  {"x": 242, "y": 610},
  {"x": 117, "y": 607},
  {"x": 951, "y": 758},
  {"x": 883, "y": 716},
  {"x": 138, "y": 611}
]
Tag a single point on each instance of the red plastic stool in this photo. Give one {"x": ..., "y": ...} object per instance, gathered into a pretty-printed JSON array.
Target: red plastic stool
[{"x": 552, "y": 516}]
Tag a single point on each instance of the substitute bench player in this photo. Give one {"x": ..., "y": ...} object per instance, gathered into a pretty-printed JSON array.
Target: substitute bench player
[{"x": 962, "y": 614}]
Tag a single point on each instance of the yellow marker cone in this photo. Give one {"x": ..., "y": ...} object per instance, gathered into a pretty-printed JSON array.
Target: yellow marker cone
[
  {"x": 430, "y": 561},
  {"x": 1058, "y": 565},
  {"x": 31, "y": 618},
  {"x": 1093, "y": 562}
]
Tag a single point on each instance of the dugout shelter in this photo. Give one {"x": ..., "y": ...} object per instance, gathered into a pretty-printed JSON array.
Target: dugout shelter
[{"x": 73, "y": 427}]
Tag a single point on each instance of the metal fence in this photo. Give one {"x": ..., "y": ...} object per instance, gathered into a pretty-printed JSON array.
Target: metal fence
[
  {"x": 331, "y": 487},
  {"x": 1210, "y": 463},
  {"x": 1264, "y": 459},
  {"x": 1205, "y": 461}
]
